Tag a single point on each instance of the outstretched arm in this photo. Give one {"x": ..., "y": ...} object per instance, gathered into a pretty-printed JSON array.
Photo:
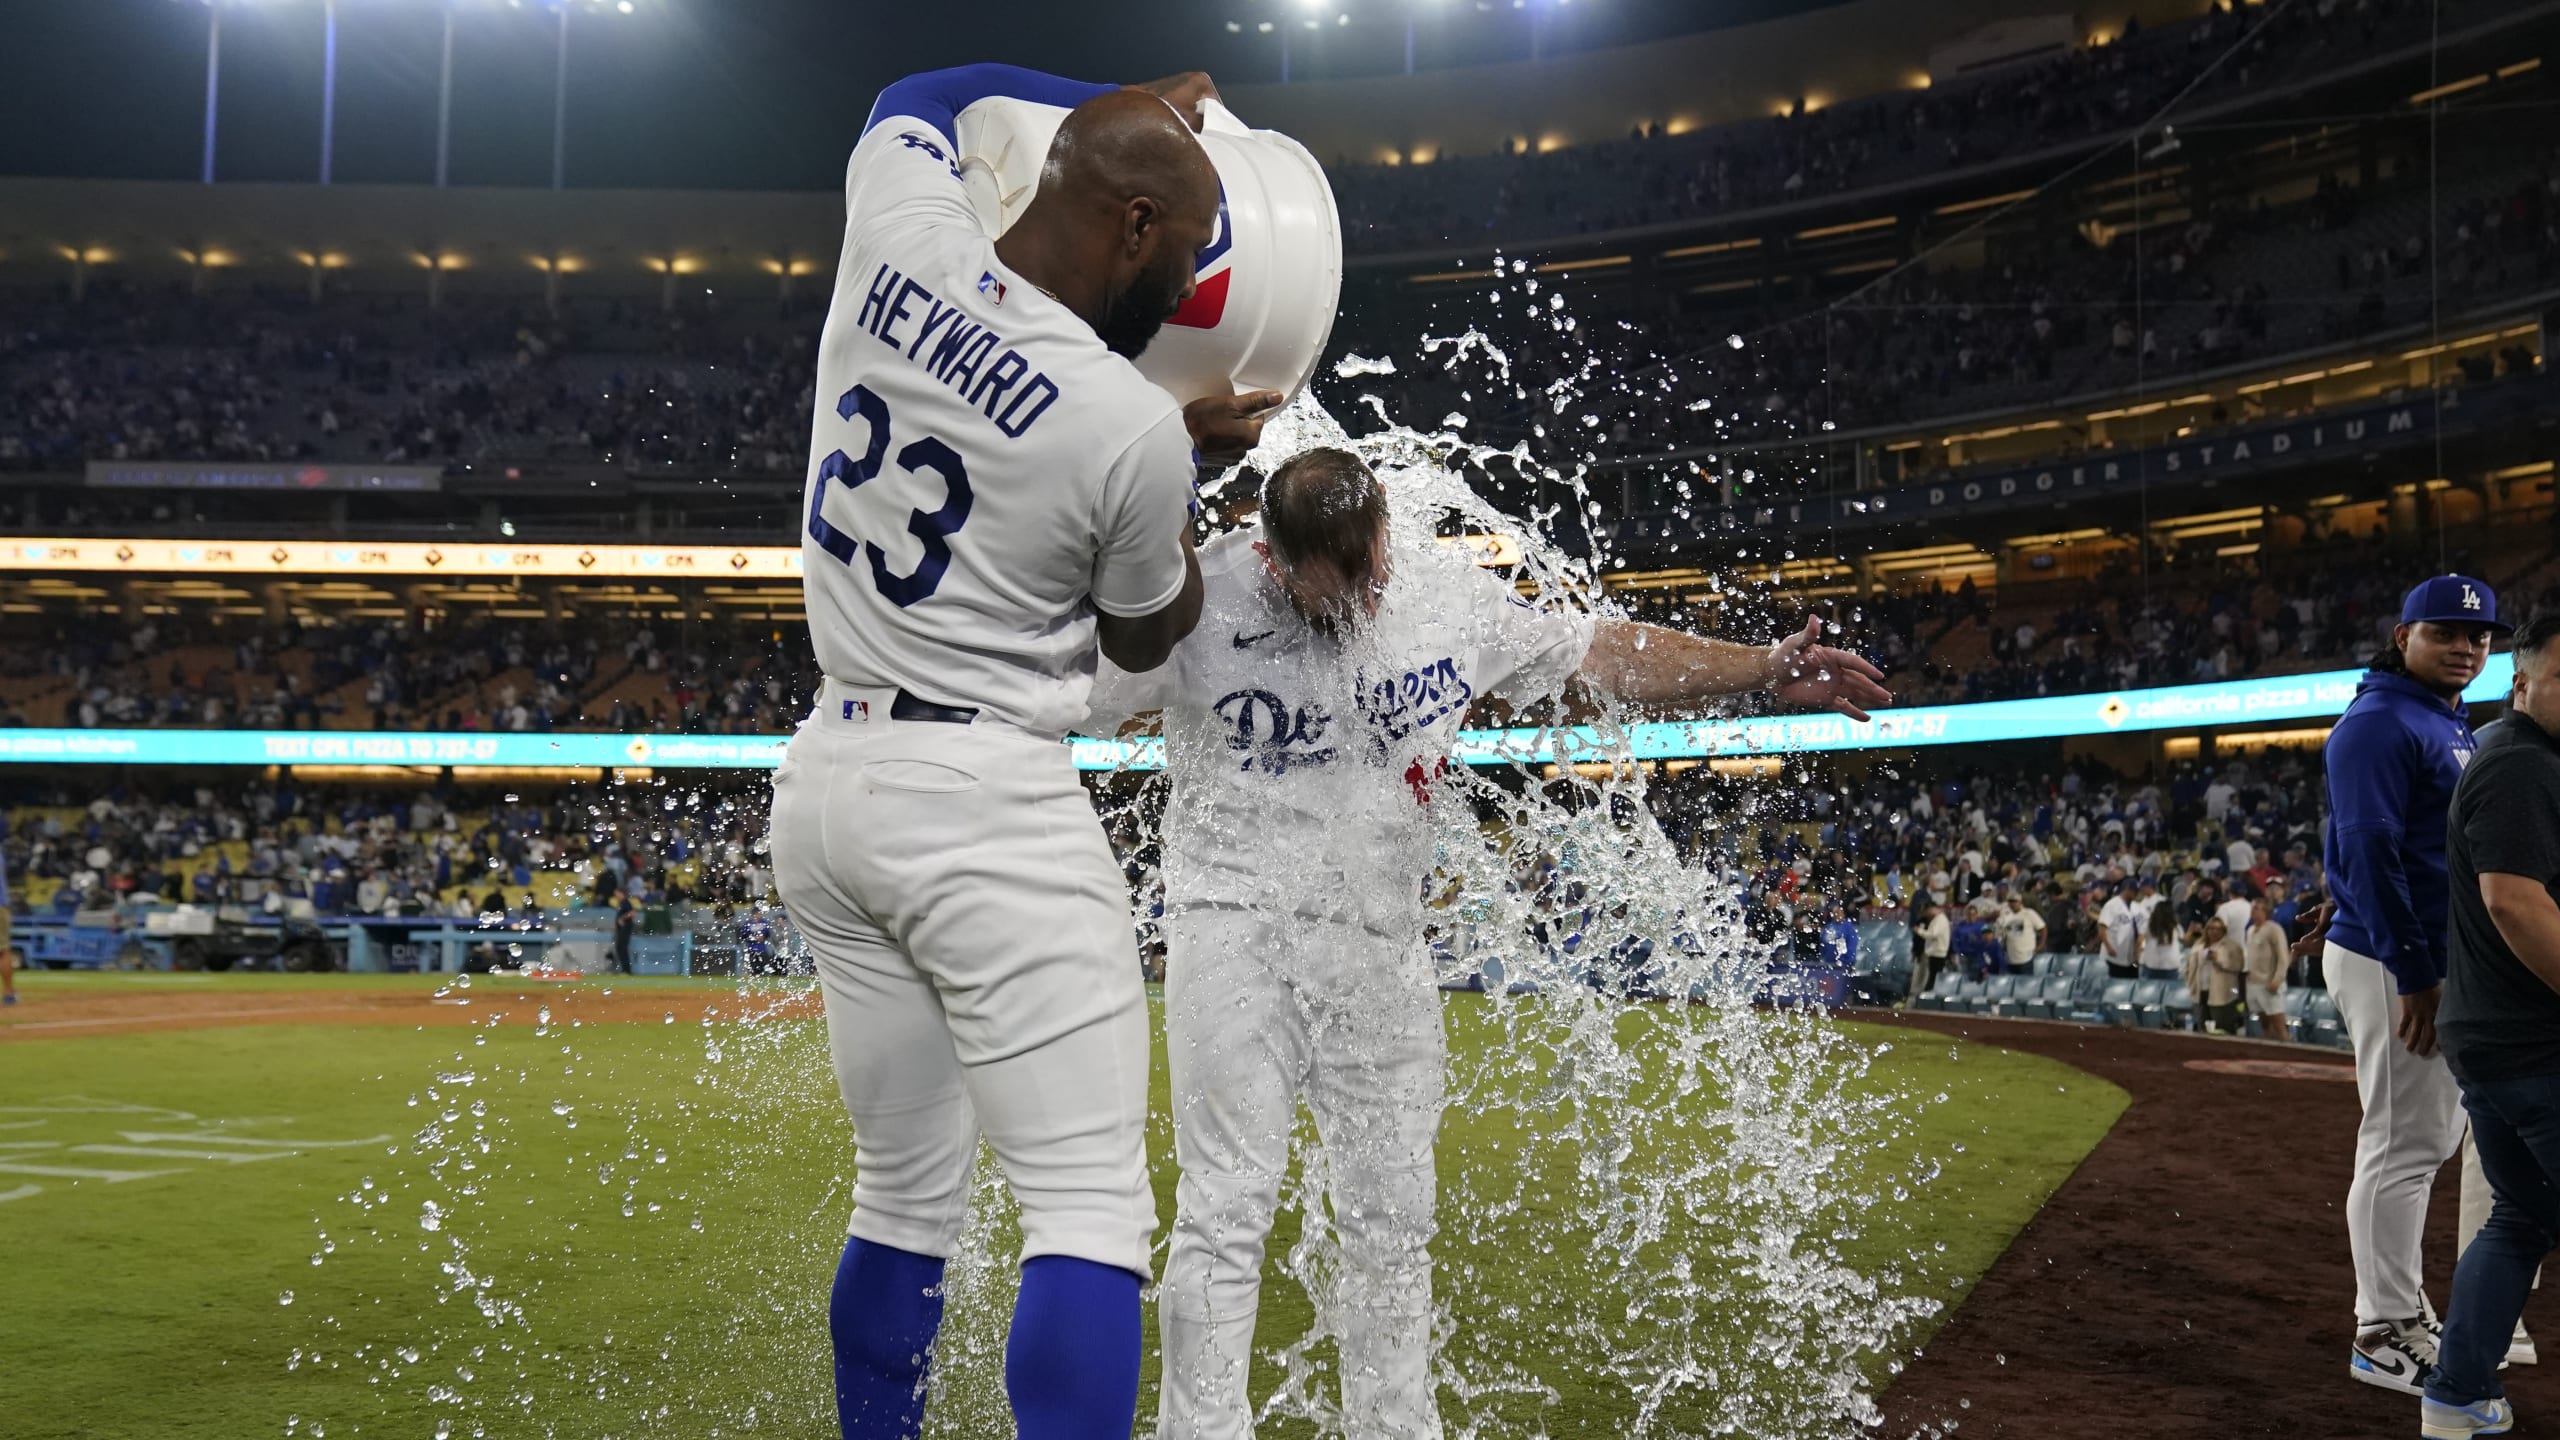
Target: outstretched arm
[
  {"x": 938, "y": 96},
  {"x": 1655, "y": 665}
]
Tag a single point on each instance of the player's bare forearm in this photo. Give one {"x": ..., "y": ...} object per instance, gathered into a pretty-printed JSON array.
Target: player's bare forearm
[
  {"x": 1655, "y": 665},
  {"x": 2527, "y": 919},
  {"x": 1140, "y": 643}
]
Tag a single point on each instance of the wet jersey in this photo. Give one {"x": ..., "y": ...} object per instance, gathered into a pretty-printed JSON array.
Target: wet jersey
[{"x": 1303, "y": 764}]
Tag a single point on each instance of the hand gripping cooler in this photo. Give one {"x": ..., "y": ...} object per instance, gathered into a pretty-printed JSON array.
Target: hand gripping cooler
[{"x": 1268, "y": 285}]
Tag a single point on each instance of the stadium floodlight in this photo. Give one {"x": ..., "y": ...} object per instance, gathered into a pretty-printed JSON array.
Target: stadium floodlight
[
  {"x": 560, "y": 80},
  {"x": 444, "y": 98},
  {"x": 212, "y": 77},
  {"x": 328, "y": 84}
]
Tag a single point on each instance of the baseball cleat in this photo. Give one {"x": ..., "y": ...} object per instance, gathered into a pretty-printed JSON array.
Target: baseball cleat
[
  {"x": 2439, "y": 1421},
  {"x": 2394, "y": 1354}
]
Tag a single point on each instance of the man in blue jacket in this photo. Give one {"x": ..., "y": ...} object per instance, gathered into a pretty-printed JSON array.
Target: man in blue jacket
[{"x": 2392, "y": 761}]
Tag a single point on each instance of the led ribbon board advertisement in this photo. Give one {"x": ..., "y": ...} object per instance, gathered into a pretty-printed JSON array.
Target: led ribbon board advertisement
[{"x": 2175, "y": 707}]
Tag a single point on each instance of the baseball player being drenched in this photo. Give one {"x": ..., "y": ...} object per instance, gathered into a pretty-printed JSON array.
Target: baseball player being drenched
[
  {"x": 1307, "y": 720},
  {"x": 993, "y": 490}
]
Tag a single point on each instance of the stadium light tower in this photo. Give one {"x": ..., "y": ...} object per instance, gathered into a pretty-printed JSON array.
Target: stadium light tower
[
  {"x": 444, "y": 97},
  {"x": 560, "y": 78},
  {"x": 328, "y": 84},
  {"x": 212, "y": 79}
]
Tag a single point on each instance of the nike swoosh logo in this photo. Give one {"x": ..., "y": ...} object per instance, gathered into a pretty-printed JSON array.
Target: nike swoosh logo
[{"x": 1244, "y": 640}]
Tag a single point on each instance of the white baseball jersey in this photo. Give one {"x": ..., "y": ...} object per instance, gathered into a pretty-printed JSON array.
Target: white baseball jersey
[
  {"x": 984, "y": 475},
  {"x": 1303, "y": 764}
]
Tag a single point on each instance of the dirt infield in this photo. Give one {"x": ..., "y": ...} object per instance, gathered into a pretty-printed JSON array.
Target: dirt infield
[
  {"x": 67, "y": 1013},
  {"x": 2191, "y": 1278}
]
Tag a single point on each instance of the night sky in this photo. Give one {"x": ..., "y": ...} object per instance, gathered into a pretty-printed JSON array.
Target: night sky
[{"x": 755, "y": 94}]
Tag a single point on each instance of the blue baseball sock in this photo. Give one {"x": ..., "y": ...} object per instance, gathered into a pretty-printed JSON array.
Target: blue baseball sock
[
  {"x": 1071, "y": 1365},
  {"x": 886, "y": 1308}
]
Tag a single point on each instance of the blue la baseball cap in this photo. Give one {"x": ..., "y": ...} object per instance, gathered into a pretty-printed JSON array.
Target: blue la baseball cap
[{"x": 2453, "y": 600}]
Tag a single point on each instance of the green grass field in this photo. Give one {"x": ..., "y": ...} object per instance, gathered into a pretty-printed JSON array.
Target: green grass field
[{"x": 635, "y": 1224}]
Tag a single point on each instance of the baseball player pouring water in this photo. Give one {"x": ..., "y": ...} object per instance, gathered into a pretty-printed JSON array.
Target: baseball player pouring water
[
  {"x": 993, "y": 492},
  {"x": 1306, "y": 721}
]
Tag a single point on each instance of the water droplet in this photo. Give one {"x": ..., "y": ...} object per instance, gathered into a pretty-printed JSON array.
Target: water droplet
[{"x": 285, "y": 1298}]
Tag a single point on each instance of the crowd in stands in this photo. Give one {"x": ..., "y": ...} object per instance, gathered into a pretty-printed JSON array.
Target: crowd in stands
[
  {"x": 2119, "y": 634},
  {"x": 2191, "y": 619},
  {"x": 274, "y": 846},
  {"x": 1645, "y": 372},
  {"x": 720, "y": 387},
  {"x": 1993, "y": 865},
  {"x": 490, "y": 675},
  {"x": 135, "y": 373},
  {"x": 1655, "y": 178}
]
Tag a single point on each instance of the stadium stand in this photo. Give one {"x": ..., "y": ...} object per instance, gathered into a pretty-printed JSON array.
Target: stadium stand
[
  {"x": 2086, "y": 94},
  {"x": 2002, "y": 270}
]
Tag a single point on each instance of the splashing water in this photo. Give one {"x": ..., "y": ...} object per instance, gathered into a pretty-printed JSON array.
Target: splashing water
[
  {"x": 1708, "y": 1152},
  {"x": 1701, "y": 1161}
]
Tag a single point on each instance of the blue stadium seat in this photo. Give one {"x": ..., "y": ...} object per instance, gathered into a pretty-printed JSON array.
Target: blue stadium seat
[
  {"x": 1942, "y": 992},
  {"x": 2053, "y": 999},
  {"x": 2320, "y": 1022},
  {"x": 2150, "y": 1010},
  {"x": 1998, "y": 994},
  {"x": 2179, "y": 1003},
  {"x": 2115, "y": 1002},
  {"x": 1969, "y": 999},
  {"x": 2008, "y": 994},
  {"x": 2089, "y": 993}
]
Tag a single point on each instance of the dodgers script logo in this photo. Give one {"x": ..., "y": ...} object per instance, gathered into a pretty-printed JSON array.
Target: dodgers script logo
[
  {"x": 1271, "y": 734},
  {"x": 1274, "y": 736},
  {"x": 1208, "y": 303},
  {"x": 1414, "y": 700}
]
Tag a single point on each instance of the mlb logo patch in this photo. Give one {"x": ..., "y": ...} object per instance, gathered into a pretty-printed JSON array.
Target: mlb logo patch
[
  {"x": 858, "y": 710},
  {"x": 991, "y": 287}
]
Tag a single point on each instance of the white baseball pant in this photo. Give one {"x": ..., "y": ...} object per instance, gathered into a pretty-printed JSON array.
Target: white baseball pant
[
  {"x": 971, "y": 932},
  {"x": 1261, "y": 1010},
  {"x": 2413, "y": 1122}
]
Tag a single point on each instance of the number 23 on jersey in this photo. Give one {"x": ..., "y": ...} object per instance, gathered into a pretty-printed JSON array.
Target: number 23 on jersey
[{"x": 932, "y": 527}]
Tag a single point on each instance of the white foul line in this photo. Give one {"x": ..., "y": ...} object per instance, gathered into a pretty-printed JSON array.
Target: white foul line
[
  {"x": 232, "y": 1157},
  {"x": 112, "y": 1177},
  {"x": 182, "y": 1015}
]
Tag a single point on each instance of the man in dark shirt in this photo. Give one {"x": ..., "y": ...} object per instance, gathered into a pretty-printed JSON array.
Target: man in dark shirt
[{"x": 2499, "y": 1028}]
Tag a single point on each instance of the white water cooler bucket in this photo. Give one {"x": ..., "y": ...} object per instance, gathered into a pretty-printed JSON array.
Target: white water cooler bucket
[{"x": 1269, "y": 283}]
